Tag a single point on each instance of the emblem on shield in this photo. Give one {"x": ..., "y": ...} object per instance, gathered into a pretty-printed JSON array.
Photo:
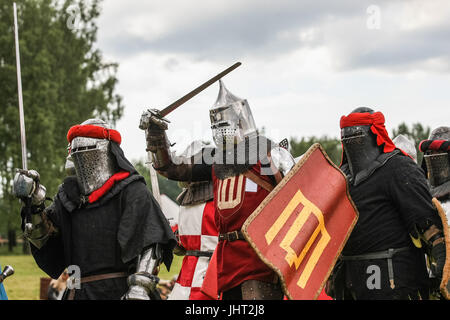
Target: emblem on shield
[{"x": 301, "y": 227}]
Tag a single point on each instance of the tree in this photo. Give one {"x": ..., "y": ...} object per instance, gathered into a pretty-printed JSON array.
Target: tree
[
  {"x": 65, "y": 81},
  {"x": 332, "y": 146}
]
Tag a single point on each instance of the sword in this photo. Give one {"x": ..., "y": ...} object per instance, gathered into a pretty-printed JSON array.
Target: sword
[
  {"x": 28, "y": 225},
  {"x": 19, "y": 88},
  {"x": 164, "y": 112}
]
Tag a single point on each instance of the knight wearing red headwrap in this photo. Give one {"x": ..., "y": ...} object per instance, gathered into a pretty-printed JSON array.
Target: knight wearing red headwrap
[
  {"x": 103, "y": 220},
  {"x": 380, "y": 260},
  {"x": 436, "y": 164}
]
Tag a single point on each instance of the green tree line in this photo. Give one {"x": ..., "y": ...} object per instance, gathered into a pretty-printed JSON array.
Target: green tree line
[{"x": 333, "y": 147}]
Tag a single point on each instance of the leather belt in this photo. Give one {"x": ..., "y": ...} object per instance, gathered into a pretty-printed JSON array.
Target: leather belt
[
  {"x": 387, "y": 254},
  {"x": 232, "y": 236},
  {"x": 97, "y": 278},
  {"x": 198, "y": 253}
]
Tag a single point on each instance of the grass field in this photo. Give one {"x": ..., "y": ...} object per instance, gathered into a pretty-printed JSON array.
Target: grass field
[{"x": 25, "y": 283}]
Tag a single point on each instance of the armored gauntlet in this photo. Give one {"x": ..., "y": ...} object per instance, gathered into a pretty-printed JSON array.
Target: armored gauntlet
[
  {"x": 36, "y": 225},
  {"x": 26, "y": 187},
  {"x": 157, "y": 142},
  {"x": 142, "y": 284}
]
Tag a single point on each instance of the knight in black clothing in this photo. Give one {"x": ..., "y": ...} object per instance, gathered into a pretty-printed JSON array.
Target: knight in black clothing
[
  {"x": 382, "y": 258},
  {"x": 436, "y": 164},
  {"x": 102, "y": 220}
]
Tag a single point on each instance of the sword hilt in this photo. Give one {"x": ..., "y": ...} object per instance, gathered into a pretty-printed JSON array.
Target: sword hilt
[
  {"x": 149, "y": 117},
  {"x": 7, "y": 271}
]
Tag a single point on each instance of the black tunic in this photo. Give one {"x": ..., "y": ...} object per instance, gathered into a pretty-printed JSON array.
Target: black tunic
[
  {"x": 391, "y": 202},
  {"x": 105, "y": 236}
]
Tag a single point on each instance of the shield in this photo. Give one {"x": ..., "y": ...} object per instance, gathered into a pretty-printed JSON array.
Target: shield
[
  {"x": 445, "y": 283},
  {"x": 302, "y": 226}
]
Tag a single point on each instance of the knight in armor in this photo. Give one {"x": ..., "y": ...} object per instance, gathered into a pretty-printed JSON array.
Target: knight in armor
[
  {"x": 436, "y": 164},
  {"x": 102, "y": 221},
  {"x": 243, "y": 168},
  {"x": 384, "y": 255},
  {"x": 196, "y": 233}
]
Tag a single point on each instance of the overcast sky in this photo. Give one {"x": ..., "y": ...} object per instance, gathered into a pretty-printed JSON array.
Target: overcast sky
[{"x": 304, "y": 63}]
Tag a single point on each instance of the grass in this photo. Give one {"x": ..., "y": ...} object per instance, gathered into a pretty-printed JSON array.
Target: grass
[{"x": 24, "y": 284}]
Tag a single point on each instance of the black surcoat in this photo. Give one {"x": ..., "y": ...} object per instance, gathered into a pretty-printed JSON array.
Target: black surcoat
[
  {"x": 105, "y": 236},
  {"x": 391, "y": 203}
]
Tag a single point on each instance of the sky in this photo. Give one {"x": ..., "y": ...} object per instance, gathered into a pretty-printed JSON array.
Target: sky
[{"x": 304, "y": 63}]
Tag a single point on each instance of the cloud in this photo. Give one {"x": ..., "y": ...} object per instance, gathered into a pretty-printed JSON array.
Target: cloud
[
  {"x": 305, "y": 63},
  {"x": 411, "y": 32}
]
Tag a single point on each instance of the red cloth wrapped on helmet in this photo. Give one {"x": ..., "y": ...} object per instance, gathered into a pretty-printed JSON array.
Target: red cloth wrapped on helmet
[
  {"x": 376, "y": 121},
  {"x": 92, "y": 131}
]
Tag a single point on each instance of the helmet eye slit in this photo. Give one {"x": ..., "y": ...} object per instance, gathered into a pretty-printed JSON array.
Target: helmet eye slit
[{"x": 84, "y": 148}]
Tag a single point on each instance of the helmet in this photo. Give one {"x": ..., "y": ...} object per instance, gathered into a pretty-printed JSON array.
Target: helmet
[
  {"x": 92, "y": 158},
  {"x": 231, "y": 119},
  {"x": 437, "y": 161},
  {"x": 359, "y": 144}
]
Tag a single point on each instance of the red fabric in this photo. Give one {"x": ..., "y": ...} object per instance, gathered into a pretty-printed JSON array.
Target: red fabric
[
  {"x": 210, "y": 282},
  {"x": 236, "y": 260},
  {"x": 376, "y": 121},
  {"x": 436, "y": 145},
  {"x": 208, "y": 222},
  {"x": 187, "y": 271},
  {"x": 324, "y": 296},
  {"x": 197, "y": 294},
  {"x": 100, "y": 192},
  {"x": 92, "y": 131},
  {"x": 190, "y": 242},
  {"x": 193, "y": 268}
]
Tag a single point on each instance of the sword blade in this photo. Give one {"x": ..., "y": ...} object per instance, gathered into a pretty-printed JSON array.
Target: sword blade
[
  {"x": 19, "y": 88},
  {"x": 197, "y": 90},
  {"x": 154, "y": 181}
]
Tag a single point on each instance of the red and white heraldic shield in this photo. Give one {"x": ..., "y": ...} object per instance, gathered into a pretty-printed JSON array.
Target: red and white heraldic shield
[{"x": 301, "y": 227}]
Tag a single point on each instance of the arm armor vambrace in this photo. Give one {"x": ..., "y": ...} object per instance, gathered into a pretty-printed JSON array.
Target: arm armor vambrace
[
  {"x": 143, "y": 283},
  {"x": 158, "y": 144},
  {"x": 425, "y": 234},
  {"x": 39, "y": 229},
  {"x": 174, "y": 168}
]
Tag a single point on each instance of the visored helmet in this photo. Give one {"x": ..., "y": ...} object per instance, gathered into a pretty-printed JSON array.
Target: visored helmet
[
  {"x": 92, "y": 158},
  {"x": 231, "y": 118},
  {"x": 436, "y": 156},
  {"x": 359, "y": 144}
]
